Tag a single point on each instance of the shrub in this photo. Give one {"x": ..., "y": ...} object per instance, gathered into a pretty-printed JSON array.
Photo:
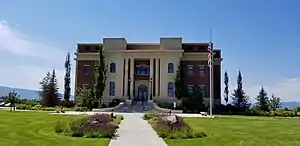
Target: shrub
[
  {"x": 95, "y": 126},
  {"x": 80, "y": 109},
  {"x": 37, "y": 107},
  {"x": 65, "y": 103},
  {"x": 149, "y": 115},
  {"x": 169, "y": 105},
  {"x": 23, "y": 107},
  {"x": 177, "y": 130}
]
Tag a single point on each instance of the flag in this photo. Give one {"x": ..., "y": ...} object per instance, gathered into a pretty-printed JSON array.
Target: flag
[{"x": 210, "y": 54}]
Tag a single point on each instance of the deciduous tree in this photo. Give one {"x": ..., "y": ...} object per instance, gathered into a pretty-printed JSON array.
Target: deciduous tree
[
  {"x": 11, "y": 98},
  {"x": 274, "y": 102},
  {"x": 86, "y": 98}
]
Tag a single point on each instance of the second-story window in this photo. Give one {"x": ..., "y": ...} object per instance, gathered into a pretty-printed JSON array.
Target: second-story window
[
  {"x": 190, "y": 69},
  {"x": 112, "y": 68},
  {"x": 170, "y": 68},
  {"x": 142, "y": 69},
  {"x": 86, "y": 69},
  {"x": 202, "y": 70}
]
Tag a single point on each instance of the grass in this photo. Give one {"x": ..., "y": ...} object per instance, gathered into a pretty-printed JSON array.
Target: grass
[
  {"x": 243, "y": 131},
  {"x": 37, "y": 129}
]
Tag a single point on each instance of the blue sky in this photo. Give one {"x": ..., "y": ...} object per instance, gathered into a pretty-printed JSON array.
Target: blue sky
[{"x": 258, "y": 37}]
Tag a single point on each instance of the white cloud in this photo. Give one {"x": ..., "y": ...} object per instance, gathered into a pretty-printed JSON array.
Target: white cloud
[
  {"x": 14, "y": 42},
  {"x": 22, "y": 73},
  {"x": 286, "y": 89}
]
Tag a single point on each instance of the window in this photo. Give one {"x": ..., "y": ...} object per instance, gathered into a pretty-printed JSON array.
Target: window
[
  {"x": 112, "y": 68},
  {"x": 190, "y": 69},
  {"x": 202, "y": 90},
  {"x": 202, "y": 70},
  {"x": 142, "y": 69},
  {"x": 170, "y": 68},
  {"x": 112, "y": 88},
  {"x": 170, "y": 89},
  {"x": 190, "y": 89},
  {"x": 86, "y": 69}
]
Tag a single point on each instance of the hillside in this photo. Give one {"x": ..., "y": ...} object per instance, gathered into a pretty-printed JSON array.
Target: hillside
[{"x": 24, "y": 93}]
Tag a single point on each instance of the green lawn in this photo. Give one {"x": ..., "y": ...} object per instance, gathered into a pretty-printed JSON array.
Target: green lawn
[
  {"x": 243, "y": 131},
  {"x": 37, "y": 129}
]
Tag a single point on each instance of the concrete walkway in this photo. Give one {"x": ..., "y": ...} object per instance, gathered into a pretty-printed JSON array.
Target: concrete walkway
[{"x": 134, "y": 131}]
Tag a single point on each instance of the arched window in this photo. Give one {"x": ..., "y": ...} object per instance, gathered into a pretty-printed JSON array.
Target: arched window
[
  {"x": 112, "y": 88},
  {"x": 112, "y": 68},
  {"x": 170, "y": 68},
  {"x": 170, "y": 89}
]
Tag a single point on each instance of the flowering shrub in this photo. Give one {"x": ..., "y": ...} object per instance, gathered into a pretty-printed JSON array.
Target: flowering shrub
[
  {"x": 177, "y": 129},
  {"x": 95, "y": 126}
]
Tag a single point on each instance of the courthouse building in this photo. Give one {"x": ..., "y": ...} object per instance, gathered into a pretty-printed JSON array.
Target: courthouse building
[{"x": 147, "y": 70}]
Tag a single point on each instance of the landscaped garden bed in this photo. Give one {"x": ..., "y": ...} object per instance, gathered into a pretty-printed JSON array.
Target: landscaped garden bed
[
  {"x": 172, "y": 126},
  {"x": 95, "y": 126}
]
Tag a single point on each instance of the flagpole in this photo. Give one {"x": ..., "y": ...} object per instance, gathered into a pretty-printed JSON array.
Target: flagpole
[{"x": 211, "y": 74}]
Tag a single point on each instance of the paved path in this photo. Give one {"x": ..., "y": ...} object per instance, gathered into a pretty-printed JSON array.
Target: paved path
[
  {"x": 134, "y": 131},
  {"x": 127, "y": 114}
]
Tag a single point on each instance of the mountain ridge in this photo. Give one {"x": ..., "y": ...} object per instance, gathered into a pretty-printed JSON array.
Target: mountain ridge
[{"x": 24, "y": 93}]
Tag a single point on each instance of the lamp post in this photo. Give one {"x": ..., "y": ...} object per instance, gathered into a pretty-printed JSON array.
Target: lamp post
[
  {"x": 128, "y": 92},
  {"x": 151, "y": 91}
]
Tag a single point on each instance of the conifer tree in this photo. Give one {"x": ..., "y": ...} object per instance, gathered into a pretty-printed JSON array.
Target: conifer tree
[
  {"x": 262, "y": 100},
  {"x": 239, "y": 97},
  {"x": 67, "y": 83},
  {"x": 226, "y": 89}
]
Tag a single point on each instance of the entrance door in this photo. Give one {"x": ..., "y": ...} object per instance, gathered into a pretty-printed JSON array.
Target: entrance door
[{"x": 143, "y": 92}]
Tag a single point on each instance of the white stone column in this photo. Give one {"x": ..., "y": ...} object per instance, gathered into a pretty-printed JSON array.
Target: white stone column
[
  {"x": 132, "y": 77},
  {"x": 126, "y": 78},
  {"x": 156, "y": 76},
  {"x": 151, "y": 78}
]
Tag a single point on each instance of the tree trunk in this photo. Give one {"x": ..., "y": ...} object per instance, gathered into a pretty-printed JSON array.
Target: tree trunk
[{"x": 99, "y": 104}]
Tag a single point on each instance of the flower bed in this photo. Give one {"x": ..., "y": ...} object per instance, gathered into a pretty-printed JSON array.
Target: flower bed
[
  {"x": 172, "y": 127},
  {"x": 95, "y": 126}
]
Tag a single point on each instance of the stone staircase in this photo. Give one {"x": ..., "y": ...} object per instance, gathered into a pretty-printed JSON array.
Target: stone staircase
[{"x": 137, "y": 107}]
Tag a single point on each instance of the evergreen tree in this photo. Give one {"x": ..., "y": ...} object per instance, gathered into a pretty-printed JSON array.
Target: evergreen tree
[
  {"x": 178, "y": 81},
  {"x": 274, "y": 103},
  {"x": 49, "y": 90},
  {"x": 239, "y": 97},
  {"x": 53, "y": 88},
  {"x": 262, "y": 100},
  {"x": 100, "y": 77},
  {"x": 44, "y": 93},
  {"x": 226, "y": 90},
  {"x": 67, "y": 91}
]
